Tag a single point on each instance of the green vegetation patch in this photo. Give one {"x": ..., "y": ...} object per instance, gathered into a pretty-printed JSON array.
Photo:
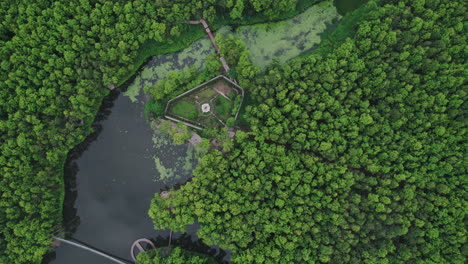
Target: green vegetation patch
[
  {"x": 290, "y": 38},
  {"x": 223, "y": 107},
  {"x": 208, "y": 105},
  {"x": 345, "y": 6},
  {"x": 206, "y": 94},
  {"x": 185, "y": 109},
  {"x": 160, "y": 66},
  {"x": 173, "y": 160}
]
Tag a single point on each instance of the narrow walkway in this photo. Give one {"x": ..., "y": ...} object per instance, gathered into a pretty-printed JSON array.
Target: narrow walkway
[
  {"x": 211, "y": 36},
  {"x": 100, "y": 253},
  {"x": 222, "y": 94}
]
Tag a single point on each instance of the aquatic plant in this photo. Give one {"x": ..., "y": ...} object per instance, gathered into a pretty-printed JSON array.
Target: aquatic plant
[
  {"x": 174, "y": 162},
  {"x": 160, "y": 66},
  {"x": 290, "y": 38}
]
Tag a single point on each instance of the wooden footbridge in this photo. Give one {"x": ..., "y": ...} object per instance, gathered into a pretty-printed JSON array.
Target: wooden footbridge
[
  {"x": 136, "y": 245},
  {"x": 93, "y": 250},
  {"x": 211, "y": 36}
]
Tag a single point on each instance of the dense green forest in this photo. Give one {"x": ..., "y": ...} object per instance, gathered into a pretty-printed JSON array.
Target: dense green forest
[
  {"x": 355, "y": 152},
  {"x": 57, "y": 57}
]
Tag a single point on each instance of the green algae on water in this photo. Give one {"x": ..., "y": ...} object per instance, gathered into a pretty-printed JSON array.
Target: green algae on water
[
  {"x": 164, "y": 172},
  {"x": 289, "y": 38},
  {"x": 160, "y": 66},
  {"x": 174, "y": 163}
]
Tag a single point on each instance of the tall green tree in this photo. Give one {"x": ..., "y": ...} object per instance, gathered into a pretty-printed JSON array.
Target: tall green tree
[{"x": 355, "y": 153}]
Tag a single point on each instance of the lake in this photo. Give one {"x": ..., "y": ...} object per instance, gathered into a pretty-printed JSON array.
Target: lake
[{"x": 110, "y": 181}]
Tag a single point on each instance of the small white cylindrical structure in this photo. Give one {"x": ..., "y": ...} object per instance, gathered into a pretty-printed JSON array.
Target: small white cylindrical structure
[{"x": 206, "y": 108}]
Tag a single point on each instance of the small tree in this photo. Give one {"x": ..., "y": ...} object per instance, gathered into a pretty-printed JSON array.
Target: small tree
[{"x": 230, "y": 122}]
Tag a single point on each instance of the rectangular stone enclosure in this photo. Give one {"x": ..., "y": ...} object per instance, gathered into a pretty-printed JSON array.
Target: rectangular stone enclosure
[{"x": 212, "y": 104}]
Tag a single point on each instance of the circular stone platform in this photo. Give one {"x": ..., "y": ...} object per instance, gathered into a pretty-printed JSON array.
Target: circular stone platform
[{"x": 206, "y": 108}]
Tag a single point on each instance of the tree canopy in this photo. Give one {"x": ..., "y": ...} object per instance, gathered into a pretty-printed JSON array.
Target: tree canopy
[
  {"x": 355, "y": 155},
  {"x": 56, "y": 58}
]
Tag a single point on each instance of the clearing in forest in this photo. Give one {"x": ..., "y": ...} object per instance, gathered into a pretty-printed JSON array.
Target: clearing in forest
[{"x": 212, "y": 104}]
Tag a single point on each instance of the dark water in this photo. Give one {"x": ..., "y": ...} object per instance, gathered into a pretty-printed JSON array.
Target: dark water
[
  {"x": 345, "y": 6},
  {"x": 110, "y": 180},
  {"x": 110, "y": 185}
]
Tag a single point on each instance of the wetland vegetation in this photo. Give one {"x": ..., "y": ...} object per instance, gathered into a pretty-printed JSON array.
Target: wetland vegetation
[
  {"x": 281, "y": 40},
  {"x": 290, "y": 38}
]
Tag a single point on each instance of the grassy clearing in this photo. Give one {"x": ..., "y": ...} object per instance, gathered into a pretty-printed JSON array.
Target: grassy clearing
[
  {"x": 185, "y": 109},
  {"x": 223, "y": 108},
  {"x": 206, "y": 94}
]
